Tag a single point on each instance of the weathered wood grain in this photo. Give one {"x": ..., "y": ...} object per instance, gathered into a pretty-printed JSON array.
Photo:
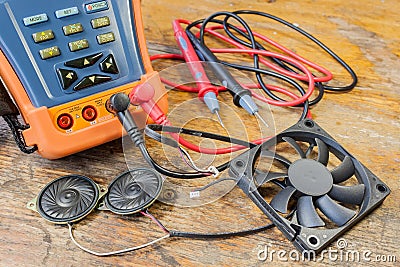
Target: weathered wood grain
[{"x": 365, "y": 121}]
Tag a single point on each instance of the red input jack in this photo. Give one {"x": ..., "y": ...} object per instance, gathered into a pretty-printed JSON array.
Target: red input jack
[
  {"x": 65, "y": 121},
  {"x": 89, "y": 113}
]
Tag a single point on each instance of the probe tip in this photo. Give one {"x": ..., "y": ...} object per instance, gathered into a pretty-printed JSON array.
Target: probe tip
[
  {"x": 219, "y": 118},
  {"x": 261, "y": 118}
]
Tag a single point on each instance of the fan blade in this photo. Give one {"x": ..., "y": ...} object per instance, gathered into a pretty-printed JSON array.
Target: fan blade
[
  {"x": 306, "y": 213},
  {"x": 344, "y": 171},
  {"x": 296, "y": 146},
  {"x": 265, "y": 177},
  {"x": 336, "y": 213},
  {"x": 281, "y": 200},
  {"x": 348, "y": 194},
  {"x": 276, "y": 156},
  {"x": 323, "y": 152}
]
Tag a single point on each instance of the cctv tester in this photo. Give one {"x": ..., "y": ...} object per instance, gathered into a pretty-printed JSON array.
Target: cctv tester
[{"x": 62, "y": 60}]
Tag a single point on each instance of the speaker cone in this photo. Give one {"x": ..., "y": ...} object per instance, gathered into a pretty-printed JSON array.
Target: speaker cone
[
  {"x": 67, "y": 199},
  {"x": 133, "y": 191}
]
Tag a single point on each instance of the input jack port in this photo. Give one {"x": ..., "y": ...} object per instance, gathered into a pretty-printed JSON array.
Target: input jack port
[
  {"x": 89, "y": 113},
  {"x": 65, "y": 121}
]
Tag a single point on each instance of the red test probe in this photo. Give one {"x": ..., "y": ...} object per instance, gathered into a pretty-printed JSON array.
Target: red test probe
[{"x": 207, "y": 92}]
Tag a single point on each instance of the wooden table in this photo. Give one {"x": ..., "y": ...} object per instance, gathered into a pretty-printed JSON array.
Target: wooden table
[{"x": 365, "y": 121}]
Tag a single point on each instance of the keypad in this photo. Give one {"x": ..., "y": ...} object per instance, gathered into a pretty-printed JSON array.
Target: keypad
[
  {"x": 72, "y": 73},
  {"x": 37, "y": 37},
  {"x": 67, "y": 77}
]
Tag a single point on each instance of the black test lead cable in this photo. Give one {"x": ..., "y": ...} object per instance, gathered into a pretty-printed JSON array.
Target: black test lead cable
[
  {"x": 241, "y": 96},
  {"x": 228, "y": 27},
  {"x": 120, "y": 103},
  {"x": 250, "y": 36},
  {"x": 316, "y": 41},
  {"x": 286, "y": 65},
  {"x": 202, "y": 50},
  {"x": 283, "y": 64}
]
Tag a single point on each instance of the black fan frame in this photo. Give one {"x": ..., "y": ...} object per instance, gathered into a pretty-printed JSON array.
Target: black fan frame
[
  {"x": 106, "y": 204},
  {"x": 307, "y": 240},
  {"x": 96, "y": 192}
]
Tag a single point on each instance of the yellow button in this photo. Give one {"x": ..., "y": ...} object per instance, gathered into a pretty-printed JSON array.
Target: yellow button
[
  {"x": 72, "y": 28},
  {"x": 105, "y": 38},
  {"x": 43, "y": 36},
  {"x": 100, "y": 22},
  {"x": 49, "y": 52},
  {"x": 78, "y": 45}
]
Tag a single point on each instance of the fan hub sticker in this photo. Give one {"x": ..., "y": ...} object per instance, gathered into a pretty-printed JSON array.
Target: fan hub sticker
[{"x": 310, "y": 177}]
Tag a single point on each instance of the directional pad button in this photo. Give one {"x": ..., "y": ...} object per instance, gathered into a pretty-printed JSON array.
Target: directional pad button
[
  {"x": 108, "y": 65},
  {"x": 91, "y": 80},
  {"x": 84, "y": 62},
  {"x": 66, "y": 77}
]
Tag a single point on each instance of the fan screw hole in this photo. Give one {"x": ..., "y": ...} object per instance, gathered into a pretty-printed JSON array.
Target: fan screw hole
[
  {"x": 169, "y": 194},
  {"x": 31, "y": 205},
  {"x": 239, "y": 163},
  {"x": 309, "y": 124},
  {"x": 313, "y": 240},
  {"x": 381, "y": 188}
]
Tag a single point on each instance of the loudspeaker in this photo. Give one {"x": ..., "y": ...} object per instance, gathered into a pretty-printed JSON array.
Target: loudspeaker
[
  {"x": 133, "y": 191},
  {"x": 67, "y": 199}
]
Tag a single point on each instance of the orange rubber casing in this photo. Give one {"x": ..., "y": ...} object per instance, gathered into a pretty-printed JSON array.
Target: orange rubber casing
[{"x": 53, "y": 142}]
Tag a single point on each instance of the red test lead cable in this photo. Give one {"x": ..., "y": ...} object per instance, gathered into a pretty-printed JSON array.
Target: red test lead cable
[
  {"x": 222, "y": 88},
  {"x": 292, "y": 57},
  {"x": 296, "y": 101},
  {"x": 328, "y": 75},
  {"x": 142, "y": 95}
]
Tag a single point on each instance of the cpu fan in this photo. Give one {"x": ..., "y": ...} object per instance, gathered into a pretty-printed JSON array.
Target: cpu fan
[
  {"x": 132, "y": 191},
  {"x": 325, "y": 202},
  {"x": 312, "y": 183}
]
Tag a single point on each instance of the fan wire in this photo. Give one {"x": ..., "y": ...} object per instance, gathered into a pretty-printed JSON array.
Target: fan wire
[
  {"x": 154, "y": 219},
  {"x": 116, "y": 252}
]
